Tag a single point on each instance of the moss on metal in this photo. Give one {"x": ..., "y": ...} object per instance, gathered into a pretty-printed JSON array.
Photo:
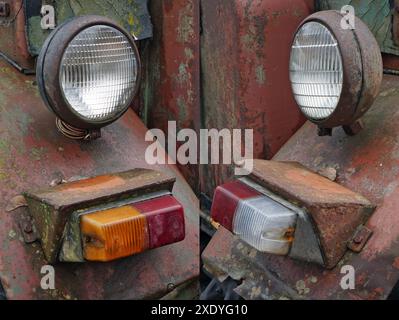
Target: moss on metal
[
  {"x": 131, "y": 14},
  {"x": 377, "y": 14}
]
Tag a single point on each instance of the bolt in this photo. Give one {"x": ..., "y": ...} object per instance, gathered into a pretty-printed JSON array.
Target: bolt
[
  {"x": 171, "y": 286},
  {"x": 358, "y": 239},
  {"x": 322, "y": 132},
  {"x": 28, "y": 228},
  {"x": 354, "y": 128}
]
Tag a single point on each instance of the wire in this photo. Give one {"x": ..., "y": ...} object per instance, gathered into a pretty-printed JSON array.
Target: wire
[
  {"x": 72, "y": 132},
  {"x": 9, "y": 22}
]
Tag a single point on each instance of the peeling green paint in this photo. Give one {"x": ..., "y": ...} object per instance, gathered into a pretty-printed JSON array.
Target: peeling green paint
[
  {"x": 377, "y": 14},
  {"x": 260, "y": 75},
  {"x": 185, "y": 31},
  {"x": 38, "y": 153},
  {"x": 181, "y": 103},
  {"x": 189, "y": 53},
  {"x": 131, "y": 14}
]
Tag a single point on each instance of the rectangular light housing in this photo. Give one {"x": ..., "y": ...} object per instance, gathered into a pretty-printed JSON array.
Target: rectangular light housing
[
  {"x": 120, "y": 232},
  {"x": 257, "y": 219}
]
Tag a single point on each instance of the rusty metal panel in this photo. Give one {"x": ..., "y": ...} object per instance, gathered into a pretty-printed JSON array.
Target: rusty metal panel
[
  {"x": 171, "y": 76},
  {"x": 32, "y": 155},
  {"x": 367, "y": 164},
  {"x": 13, "y": 42},
  {"x": 92, "y": 191},
  {"x": 377, "y": 14},
  {"x": 245, "y": 50}
]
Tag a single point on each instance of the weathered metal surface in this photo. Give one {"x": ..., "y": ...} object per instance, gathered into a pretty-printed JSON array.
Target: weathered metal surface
[
  {"x": 366, "y": 164},
  {"x": 133, "y": 15},
  {"x": 377, "y": 14},
  {"x": 360, "y": 239},
  {"x": 171, "y": 79},
  {"x": 13, "y": 42},
  {"x": 52, "y": 207},
  {"x": 32, "y": 155},
  {"x": 227, "y": 256},
  {"x": 336, "y": 211},
  {"x": 4, "y": 9},
  {"x": 245, "y": 50}
]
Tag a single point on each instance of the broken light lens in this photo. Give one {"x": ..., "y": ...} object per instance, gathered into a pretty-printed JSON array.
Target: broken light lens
[{"x": 260, "y": 221}]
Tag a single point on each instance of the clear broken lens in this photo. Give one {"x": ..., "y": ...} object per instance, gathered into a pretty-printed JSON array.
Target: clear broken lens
[
  {"x": 99, "y": 72},
  {"x": 316, "y": 71},
  {"x": 256, "y": 218},
  {"x": 265, "y": 224}
]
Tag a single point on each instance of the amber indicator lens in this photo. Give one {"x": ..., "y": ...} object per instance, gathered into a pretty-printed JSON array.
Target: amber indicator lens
[
  {"x": 113, "y": 234},
  {"x": 120, "y": 232}
]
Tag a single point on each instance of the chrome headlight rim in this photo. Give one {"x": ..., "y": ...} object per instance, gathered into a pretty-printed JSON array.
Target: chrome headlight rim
[
  {"x": 48, "y": 71},
  {"x": 361, "y": 79}
]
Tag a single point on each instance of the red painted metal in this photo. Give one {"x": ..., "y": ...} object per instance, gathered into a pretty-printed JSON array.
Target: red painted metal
[
  {"x": 13, "y": 42},
  {"x": 171, "y": 89},
  {"x": 32, "y": 155},
  {"x": 245, "y": 54},
  {"x": 367, "y": 164}
]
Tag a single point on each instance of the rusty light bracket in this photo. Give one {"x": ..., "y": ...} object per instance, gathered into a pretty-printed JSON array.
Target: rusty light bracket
[
  {"x": 53, "y": 207},
  {"x": 335, "y": 212}
]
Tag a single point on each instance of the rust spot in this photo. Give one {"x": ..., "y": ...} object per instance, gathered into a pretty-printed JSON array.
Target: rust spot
[{"x": 92, "y": 184}]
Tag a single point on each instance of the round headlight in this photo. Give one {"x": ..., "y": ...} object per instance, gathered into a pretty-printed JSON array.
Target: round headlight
[
  {"x": 88, "y": 72},
  {"x": 335, "y": 72}
]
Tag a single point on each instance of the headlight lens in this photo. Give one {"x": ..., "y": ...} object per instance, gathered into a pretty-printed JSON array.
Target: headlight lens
[
  {"x": 335, "y": 72},
  {"x": 88, "y": 73},
  {"x": 316, "y": 71},
  {"x": 99, "y": 72}
]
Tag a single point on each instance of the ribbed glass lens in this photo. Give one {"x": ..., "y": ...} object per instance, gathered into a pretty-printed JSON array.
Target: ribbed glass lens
[
  {"x": 99, "y": 73},
  {"x": 316, "y": 71},
  {"x": 265, "y": 224}
]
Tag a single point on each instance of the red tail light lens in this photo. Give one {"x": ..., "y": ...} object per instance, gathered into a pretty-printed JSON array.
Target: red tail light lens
[
  {"x": 165, "y": 219},
  {"x": 120, "y": 232}
]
